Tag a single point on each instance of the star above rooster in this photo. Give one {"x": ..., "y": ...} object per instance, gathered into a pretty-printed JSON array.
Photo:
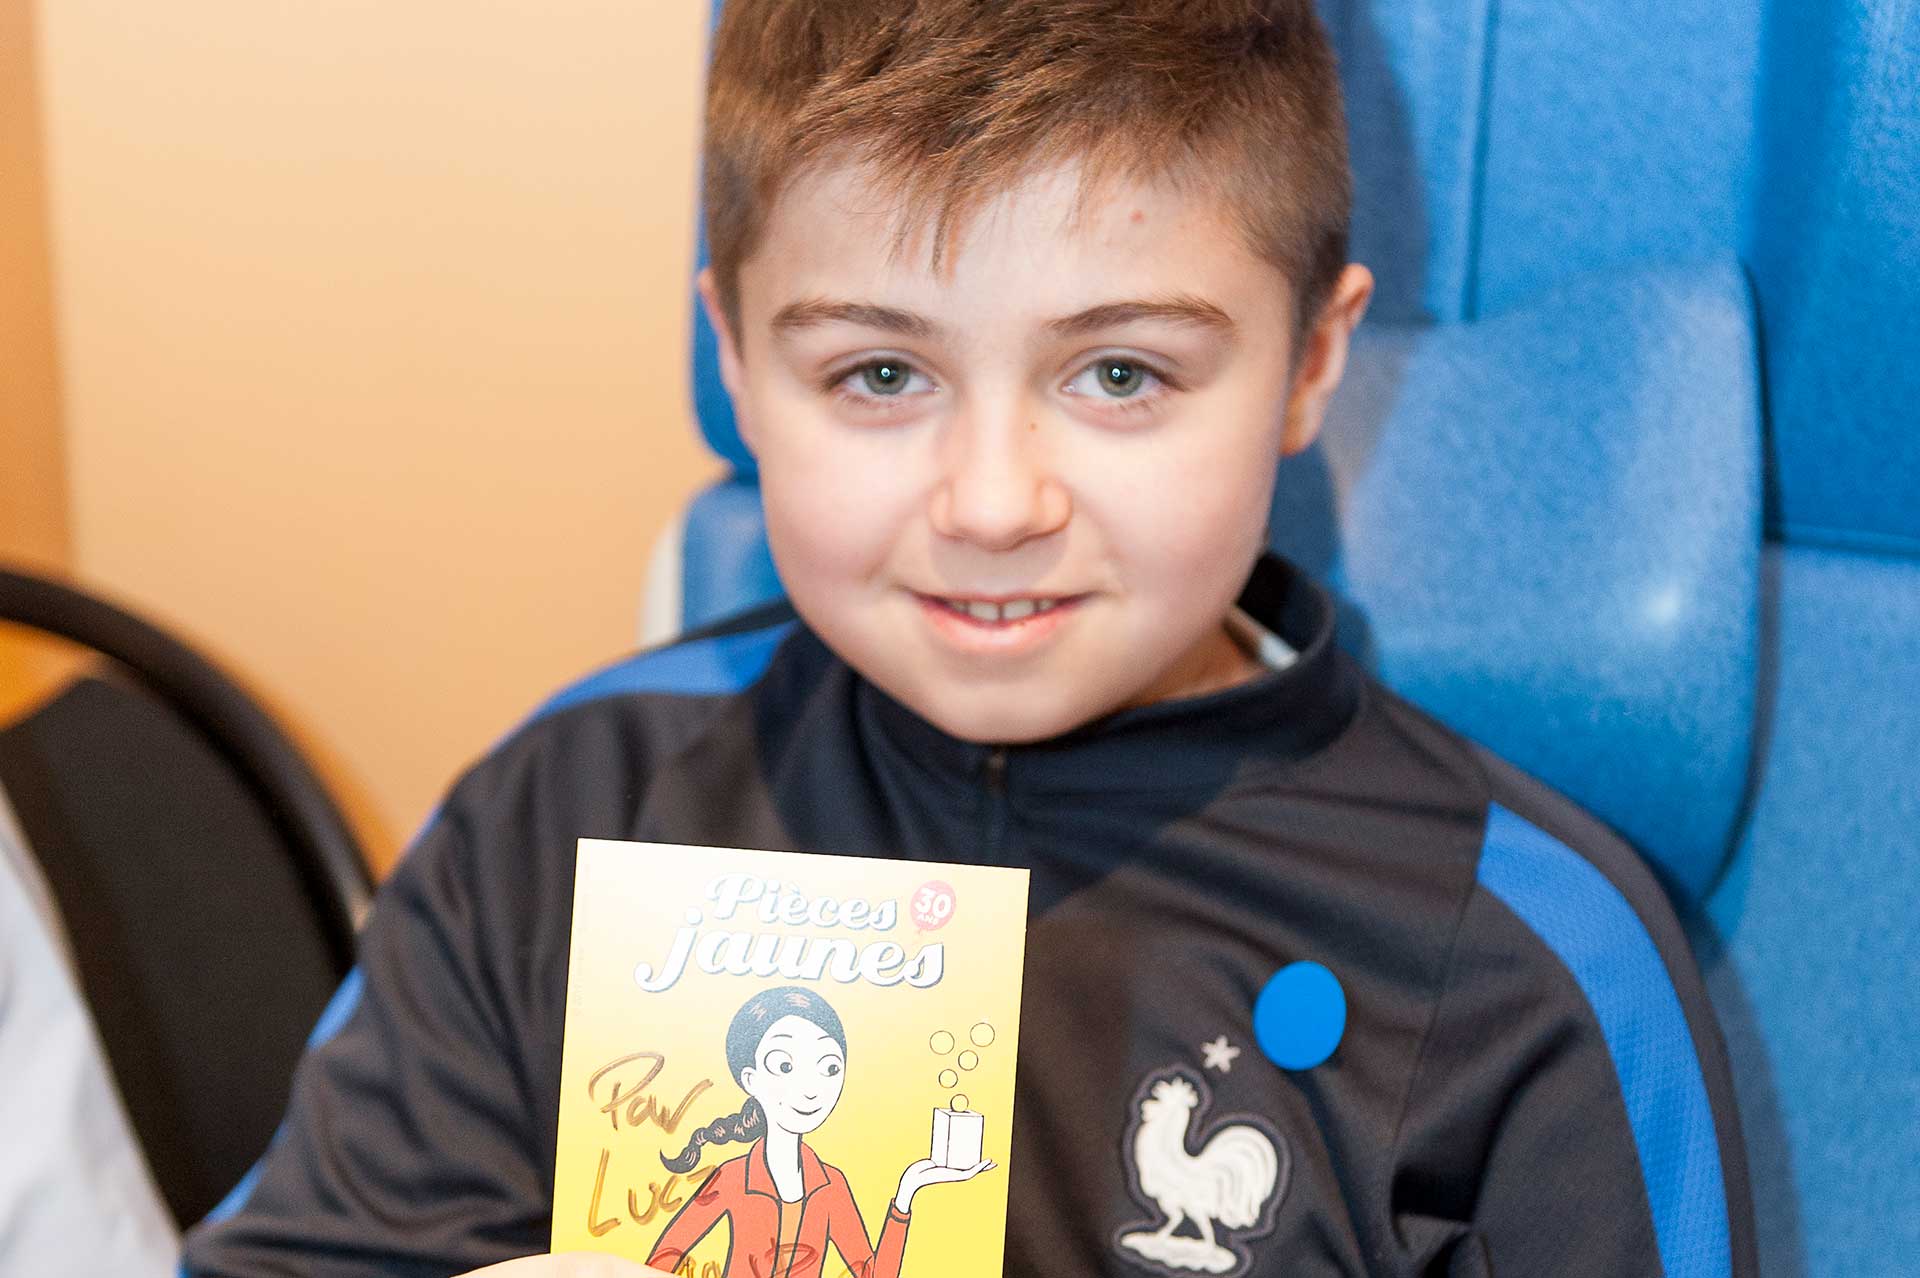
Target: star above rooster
[{"x": 1219, "y": 1054}]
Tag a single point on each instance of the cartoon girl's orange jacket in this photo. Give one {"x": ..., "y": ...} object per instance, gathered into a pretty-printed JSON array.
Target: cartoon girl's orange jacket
[{"x": 775, "y": 1239}]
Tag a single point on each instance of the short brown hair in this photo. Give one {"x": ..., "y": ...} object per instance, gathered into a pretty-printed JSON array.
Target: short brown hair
[{"x": 950, "y": 101}]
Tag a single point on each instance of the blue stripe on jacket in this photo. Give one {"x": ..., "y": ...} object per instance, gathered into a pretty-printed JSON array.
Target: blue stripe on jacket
[{"x": 1584, "y": 919}]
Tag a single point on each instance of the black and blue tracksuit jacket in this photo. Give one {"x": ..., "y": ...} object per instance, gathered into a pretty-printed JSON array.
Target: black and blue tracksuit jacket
[{"x": 1482, "y": 1046}]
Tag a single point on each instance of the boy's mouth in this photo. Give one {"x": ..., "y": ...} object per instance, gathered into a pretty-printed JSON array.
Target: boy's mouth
[
  {"x": 1001, "y": 626},
  {"x": 993, "y": 612}
]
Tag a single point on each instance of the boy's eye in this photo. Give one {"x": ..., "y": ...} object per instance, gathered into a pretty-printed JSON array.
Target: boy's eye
[
  {"x": 885, "y": 377},
  {"x": 1113, "y": 378},
  {"x": 833, "y": 1067},
  {"x": 1119, "y": 378},
  {"x": 865, "y": 386}
]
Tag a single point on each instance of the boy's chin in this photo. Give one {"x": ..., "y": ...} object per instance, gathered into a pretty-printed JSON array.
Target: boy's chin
[{"x": 1005, "y": 717}]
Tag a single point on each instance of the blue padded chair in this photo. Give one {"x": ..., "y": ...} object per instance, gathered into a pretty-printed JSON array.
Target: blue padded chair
[
  {"x": 1625, "y": 483},
  {"x": 1786, "y": 134}
]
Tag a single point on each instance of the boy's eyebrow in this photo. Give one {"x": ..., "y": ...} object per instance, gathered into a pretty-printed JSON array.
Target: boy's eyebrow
[
  {"x": 1178, "y": 308},
  {"x": 817, "y": 310}
]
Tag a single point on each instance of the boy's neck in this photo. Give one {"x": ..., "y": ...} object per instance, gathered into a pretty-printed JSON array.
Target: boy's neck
[{"x": 1227, "y": 658}]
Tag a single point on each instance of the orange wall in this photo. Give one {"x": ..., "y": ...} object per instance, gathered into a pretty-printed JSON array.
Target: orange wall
[
  {"x": 372, "y": 324},
  {"x": 33, "y": 484}
]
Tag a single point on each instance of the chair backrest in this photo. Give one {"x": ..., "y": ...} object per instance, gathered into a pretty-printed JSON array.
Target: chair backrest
[
  {"x": 1551, "y": 139},
  {"x": 208, "y": 885},
  {"x": 1545, "y": 528}
]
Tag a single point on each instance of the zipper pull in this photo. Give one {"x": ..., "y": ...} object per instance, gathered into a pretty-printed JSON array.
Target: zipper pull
[{"x": 995, "y": 766}]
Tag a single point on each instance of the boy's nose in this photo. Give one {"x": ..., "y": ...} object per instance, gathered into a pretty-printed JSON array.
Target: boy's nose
[{"x": 997, "y": 489}]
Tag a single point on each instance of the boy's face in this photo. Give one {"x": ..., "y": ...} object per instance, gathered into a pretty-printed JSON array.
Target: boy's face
[{"x": 1024, "y": 491}]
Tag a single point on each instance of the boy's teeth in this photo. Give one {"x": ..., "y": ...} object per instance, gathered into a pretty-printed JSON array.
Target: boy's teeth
[{"x": 1017, "y": 610}]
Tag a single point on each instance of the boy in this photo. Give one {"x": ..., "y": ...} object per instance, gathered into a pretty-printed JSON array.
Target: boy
[{"x": 1020, "y": 304}]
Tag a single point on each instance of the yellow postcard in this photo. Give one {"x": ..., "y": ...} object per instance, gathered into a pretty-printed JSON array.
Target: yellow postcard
[{"x": 780, "y": 1065}]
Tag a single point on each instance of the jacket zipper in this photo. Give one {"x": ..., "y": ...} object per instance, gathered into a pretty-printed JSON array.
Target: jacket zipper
[{"x": 995, "y": 769}]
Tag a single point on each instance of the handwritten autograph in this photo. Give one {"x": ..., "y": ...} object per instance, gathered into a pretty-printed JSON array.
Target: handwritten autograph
[
  {"x": 640, "y": 1106},
  {"x": 628, "y": 1102}
]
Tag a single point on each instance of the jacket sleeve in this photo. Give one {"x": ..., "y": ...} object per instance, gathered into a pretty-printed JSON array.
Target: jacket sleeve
[
  {"x": 1572, "y": 1112},
  {"x": 414, "y": 1141}
]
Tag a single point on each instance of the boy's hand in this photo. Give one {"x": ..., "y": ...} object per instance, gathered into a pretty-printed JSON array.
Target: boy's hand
[{"x": 572, "y": 1264}]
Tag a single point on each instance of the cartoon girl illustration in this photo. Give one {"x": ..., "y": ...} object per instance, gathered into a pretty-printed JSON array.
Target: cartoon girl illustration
[{"x": 787, "y": 1050}]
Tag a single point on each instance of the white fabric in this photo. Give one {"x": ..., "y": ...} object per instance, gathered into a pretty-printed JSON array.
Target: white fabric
[
  {"x": 663, "y": 602},
  {"x": 1260, "y": 643},
  {"x": 76, "y": 1198}
]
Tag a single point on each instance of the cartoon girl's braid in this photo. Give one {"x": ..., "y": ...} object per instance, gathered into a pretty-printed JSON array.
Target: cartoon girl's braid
[{"x": 748, "y": 1124}]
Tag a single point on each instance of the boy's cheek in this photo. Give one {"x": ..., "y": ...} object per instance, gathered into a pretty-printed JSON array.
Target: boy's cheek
[
  {"x": 828, "y": 527},
  {"x": 1182, "y": 513},
  {"x": 802, "y": 453}
]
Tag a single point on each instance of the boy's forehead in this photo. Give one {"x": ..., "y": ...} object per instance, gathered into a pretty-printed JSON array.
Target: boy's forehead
[{"x": 1050, "y": 243}]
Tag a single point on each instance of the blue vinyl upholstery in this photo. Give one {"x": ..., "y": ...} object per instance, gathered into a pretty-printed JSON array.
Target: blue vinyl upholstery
[
  {"x": 1835, "y": 246},
  {"x": 1414, "y": 73},
  {"x": 1809, "y": 943},
  {"x": 1545, "y": 513},
  {"x": 1546, "y": 527},
  {"x": 1620, "y": 131},
  {"x": 725, "y": 564}
]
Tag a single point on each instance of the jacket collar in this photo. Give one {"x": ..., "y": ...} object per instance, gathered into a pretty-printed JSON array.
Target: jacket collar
[{"x": 1183, "y": 745}]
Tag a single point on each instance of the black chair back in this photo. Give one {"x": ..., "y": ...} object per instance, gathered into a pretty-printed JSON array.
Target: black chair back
[{"x": 208, "y": 884}]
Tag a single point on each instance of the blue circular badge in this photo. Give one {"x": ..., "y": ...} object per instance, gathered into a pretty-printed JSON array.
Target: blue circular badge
[{"x": 1299, "y": 1017}]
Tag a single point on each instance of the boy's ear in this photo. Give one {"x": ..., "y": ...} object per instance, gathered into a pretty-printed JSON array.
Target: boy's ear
[
  {"x": 1322, "y": 359},
  {"x": 732, "y": 368}
]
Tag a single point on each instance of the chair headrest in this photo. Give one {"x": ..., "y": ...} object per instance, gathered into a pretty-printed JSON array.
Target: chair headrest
[{"x": 1545, "y": 529}]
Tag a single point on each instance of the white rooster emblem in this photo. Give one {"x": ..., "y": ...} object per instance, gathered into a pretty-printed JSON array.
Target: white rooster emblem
[{"x": 1235, "y": 1182}]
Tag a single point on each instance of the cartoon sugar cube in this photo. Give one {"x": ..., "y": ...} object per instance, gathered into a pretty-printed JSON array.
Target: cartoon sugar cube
[{"x": 958, "y": 1136}]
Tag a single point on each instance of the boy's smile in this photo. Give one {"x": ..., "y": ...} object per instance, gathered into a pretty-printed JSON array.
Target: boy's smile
[{"x": 1022, "y": 491}]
